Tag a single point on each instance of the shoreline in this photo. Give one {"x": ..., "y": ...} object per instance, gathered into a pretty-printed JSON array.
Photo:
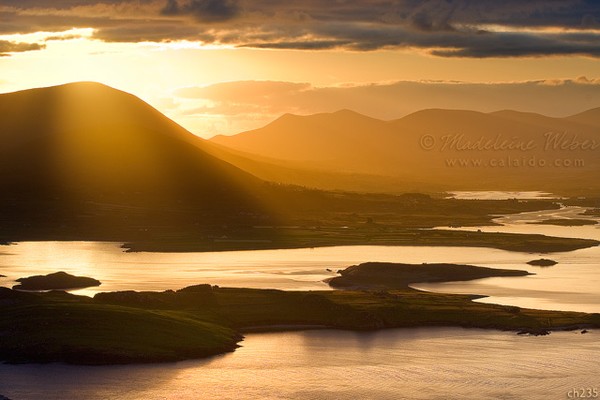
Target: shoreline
[
  {"x": 518, "y": 331},
  {"x": 281, "y": 328}
]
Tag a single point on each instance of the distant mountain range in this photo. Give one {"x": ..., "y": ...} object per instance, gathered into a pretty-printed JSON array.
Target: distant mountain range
[{"x": 431, "y": 150}]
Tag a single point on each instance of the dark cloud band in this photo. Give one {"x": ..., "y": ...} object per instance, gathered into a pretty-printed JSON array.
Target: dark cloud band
[
  {"x": 203, "y": 10},
  {"x": 447, "y": 28}
]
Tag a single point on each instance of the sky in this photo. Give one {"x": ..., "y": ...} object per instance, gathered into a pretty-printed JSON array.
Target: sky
[{"x": 225, "y": 66}]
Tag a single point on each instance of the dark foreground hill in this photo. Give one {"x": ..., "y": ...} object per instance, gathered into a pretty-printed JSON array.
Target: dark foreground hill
[{"x": 85, "y": 157}]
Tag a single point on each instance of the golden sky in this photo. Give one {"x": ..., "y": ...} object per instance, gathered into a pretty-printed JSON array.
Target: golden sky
[{"x": 224, "y": 66}]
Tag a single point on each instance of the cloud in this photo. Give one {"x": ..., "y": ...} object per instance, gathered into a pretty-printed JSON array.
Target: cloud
[
  {"x": 301, "y": 45},
  {"x": 137, "y": 31},
  {"x": 56, "y": 4},
  {"x": 204, "y": 10},
  {"x": 518, "y": 44},
  {"x": 7, "y": 47},
  {"x": 250, "y": 104},
  {"x": 63, "y": 37},
  {"x": 445, "y": 28}
]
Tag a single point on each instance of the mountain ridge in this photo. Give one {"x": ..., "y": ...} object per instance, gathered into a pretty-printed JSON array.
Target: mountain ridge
[{"x": 329, "y": 142}]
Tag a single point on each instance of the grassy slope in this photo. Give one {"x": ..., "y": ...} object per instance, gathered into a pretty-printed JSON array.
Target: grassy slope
[
  {"x": 348, "y": 309},
  {"x": 73, "y": 329}
]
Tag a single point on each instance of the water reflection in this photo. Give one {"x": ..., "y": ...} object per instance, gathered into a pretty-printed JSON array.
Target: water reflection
[{"x": 437, "y": 363}]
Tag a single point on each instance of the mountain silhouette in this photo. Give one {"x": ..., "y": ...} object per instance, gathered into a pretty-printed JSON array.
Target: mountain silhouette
[
  {"x": 320, "y": 138},
  {"x": 87, "y": 156},
  {"x": 520, "y": 154}
]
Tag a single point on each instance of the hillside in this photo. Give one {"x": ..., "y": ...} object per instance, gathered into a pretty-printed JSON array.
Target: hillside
[
  {"x": 589, "y": 117},
  {"x": 84, "y": 156}
]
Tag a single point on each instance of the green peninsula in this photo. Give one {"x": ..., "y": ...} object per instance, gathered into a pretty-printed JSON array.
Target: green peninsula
[{"x": 203, "y": 320}]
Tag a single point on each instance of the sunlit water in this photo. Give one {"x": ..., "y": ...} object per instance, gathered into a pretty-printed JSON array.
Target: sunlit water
[
  {"x": 572, "y": 284},
  {"x": 289, "y": 269},
  {"x": 396, "y": 364}
]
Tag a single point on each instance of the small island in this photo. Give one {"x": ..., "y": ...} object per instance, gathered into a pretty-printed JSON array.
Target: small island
[
  {"x": 56, "y": 281},
  {"x": 379, "y": 275},
  {"x": 565, "y": 222},
  {"x": 542, "y": 262}
]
